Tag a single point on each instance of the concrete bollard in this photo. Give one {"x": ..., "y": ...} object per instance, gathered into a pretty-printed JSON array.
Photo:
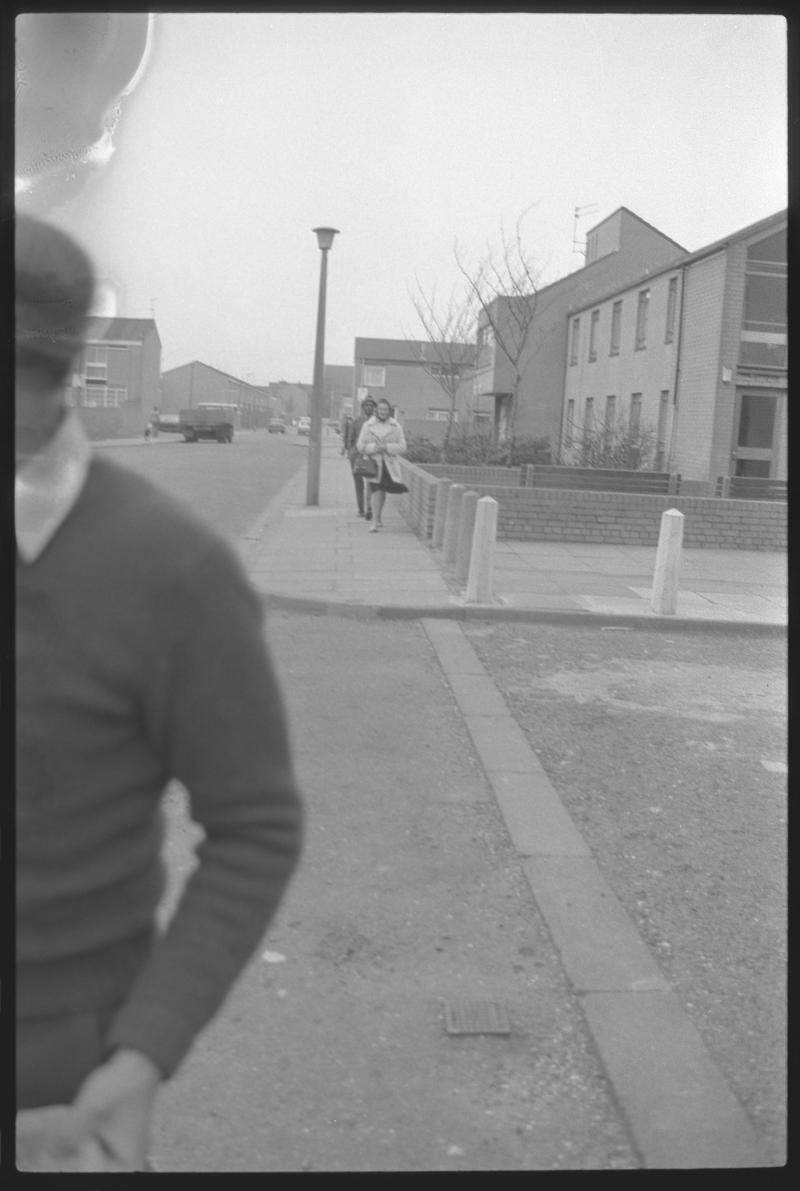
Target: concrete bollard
[
  {"x": 664, "y": 599},
  {"x": 440, "y": 511},
  {"x": 466, "y": 529},
  {"x": 481, "y": 565},
  {"x": 452, "y": 522}
]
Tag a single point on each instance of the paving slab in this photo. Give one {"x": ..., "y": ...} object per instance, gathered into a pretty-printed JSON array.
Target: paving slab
[
  {"x": 680, "y": 1110},
  {"x": 535, "y": 816},
  {"x": 501, "y": 744},
  {"x": 599, "y": 945}
]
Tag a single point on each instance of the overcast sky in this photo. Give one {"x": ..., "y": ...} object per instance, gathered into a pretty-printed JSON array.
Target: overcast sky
[{"x": 408, "y": 132}]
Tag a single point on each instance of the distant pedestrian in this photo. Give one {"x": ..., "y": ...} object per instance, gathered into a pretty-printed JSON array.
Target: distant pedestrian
[
  {"x": 349, "y": 447},
  {"x": 165, "y": 677},
  {"x": 382, "y": 438},
  {"x": 148, "y": 430}
]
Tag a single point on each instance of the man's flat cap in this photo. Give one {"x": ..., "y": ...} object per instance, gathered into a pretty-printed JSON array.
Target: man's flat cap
[{"x": 54, "y": 289}]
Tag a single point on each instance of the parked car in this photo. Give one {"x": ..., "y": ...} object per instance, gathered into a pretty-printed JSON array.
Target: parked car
[
  {"x": 276, "y": 426},
  {"x": 304, "y": 426}
]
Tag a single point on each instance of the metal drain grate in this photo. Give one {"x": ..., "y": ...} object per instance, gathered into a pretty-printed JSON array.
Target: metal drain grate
[{"x": 476, "y": 1017}]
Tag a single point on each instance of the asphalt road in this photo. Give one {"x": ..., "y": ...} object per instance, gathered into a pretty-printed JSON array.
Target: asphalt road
[{"x": 228, "y": 484}]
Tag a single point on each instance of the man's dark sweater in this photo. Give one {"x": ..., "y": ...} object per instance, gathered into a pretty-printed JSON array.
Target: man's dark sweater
[{"x": 141, "y": 658}]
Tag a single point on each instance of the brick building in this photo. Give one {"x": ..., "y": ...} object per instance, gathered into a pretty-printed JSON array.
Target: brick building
[
  {"x": 115, "y": 386},
  {"x": 696, "y": 350},
  {"x": 618, "y": 249},
  {"x": 399, "y": 370}
]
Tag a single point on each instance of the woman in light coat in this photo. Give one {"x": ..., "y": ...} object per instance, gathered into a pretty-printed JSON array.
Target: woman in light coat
[{"x": 382, "y": 439}]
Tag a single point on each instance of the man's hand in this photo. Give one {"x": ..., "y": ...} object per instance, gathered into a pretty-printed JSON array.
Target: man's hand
[
  {"x": 116, "y": 1100},
  {"x": 56, "y": 1138}
]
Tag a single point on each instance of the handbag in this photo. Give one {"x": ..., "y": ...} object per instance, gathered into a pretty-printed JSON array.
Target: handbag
[{"x": 366, "y": 467}]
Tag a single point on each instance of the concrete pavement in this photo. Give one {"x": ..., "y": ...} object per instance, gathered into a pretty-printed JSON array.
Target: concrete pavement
[
  {"x": 676, "y": 1107},
  {"x": 324, "y": 559}
]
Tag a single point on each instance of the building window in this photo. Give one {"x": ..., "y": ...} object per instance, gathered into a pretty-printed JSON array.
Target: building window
[
  {"x": 635, "y": 419},
  {"x": 610, "y": 418},
  {"x": 616, "y": 323},
  {"x": 570, "y": 422},
  {"x": 374, "y": 376},
  {"x": 641, "y": 319},
  {"x": 672, "y": 305},
  {"x": 588, "y": 416},
  {"x": 576, "y": 334},
  {"x": 440, "y": 415},
  {"x": 100, "y": 397},
  {"x": 661, "y": 432},
  {"x": 96, "y": 362},
  {"x": 763, "y": 334},
  {"x": 593, "y": 334}
]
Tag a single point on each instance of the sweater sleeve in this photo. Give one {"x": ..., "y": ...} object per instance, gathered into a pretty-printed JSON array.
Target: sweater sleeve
[{"x": 216, "y": 716}]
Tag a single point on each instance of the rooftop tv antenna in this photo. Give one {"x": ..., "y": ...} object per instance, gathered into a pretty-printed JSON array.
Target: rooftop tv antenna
[{"x": 579, "y": 246}]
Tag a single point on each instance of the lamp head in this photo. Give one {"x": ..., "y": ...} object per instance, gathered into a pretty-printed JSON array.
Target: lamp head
[{"x": 325, "y": 236}]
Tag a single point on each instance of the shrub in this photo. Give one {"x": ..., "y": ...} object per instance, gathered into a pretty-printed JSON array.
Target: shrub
[
  {"x": 614, "y": 445},
  {"x": 523, "y": 450},
  {"x": 469, "y": 447},
  {"x": 422, "y": 450}
]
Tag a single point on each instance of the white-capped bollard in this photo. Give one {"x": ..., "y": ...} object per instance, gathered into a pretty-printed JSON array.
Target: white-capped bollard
[
  {"x": 664, "y": 599},
  {"x": 469, "y": 504},
  {"x": 440, "y": 510},
  {"x": 452, "y": 522},
  {"x": 481, "y": 565}
]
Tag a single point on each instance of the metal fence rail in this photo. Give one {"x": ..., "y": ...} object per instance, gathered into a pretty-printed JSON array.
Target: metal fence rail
[
  {"x": 751, "y": 488},
  {"x": 600, "y": 479}
]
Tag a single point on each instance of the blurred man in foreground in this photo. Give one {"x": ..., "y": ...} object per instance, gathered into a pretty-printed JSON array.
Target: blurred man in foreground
[{"x": 140, "y": 659}]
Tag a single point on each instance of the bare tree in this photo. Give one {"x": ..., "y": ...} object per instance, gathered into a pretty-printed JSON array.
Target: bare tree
[
  {"x": 448, "y": 351},
  {"x": 615, "y": 443},
  {"x": 505, "y": 289}
]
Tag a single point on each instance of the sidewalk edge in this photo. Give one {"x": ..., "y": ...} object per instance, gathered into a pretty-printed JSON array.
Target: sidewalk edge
[{"x": 478, "y": 612}]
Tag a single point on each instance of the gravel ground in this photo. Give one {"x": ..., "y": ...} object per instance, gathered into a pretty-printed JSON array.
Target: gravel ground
[{"x": 669, "y": 754}]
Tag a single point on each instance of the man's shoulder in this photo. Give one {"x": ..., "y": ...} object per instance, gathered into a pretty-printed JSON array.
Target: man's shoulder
[{"x": 134, "y": 508}]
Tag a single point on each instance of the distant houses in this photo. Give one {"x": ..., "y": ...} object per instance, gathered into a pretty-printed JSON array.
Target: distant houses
[
  {"x": 196, "y": 383},
  {"x": 688, "y": 346},
  {"x": 116, "y": 381},
  {"x": 403, "y": 371}
]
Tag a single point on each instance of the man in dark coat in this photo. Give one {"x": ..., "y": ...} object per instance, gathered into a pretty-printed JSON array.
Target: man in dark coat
[{"x": 352, "y": 431}]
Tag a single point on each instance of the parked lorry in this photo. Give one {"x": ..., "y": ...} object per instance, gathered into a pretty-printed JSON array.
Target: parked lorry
[{"x": 207, "y": 421}]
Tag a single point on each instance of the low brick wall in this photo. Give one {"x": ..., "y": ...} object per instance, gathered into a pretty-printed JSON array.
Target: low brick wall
[
  {"x": 419, "y": 506},
  {"x": 613, "y": 518}
]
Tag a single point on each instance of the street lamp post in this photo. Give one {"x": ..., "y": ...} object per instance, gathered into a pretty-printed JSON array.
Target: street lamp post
[{"x": 324, "y": 240}]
